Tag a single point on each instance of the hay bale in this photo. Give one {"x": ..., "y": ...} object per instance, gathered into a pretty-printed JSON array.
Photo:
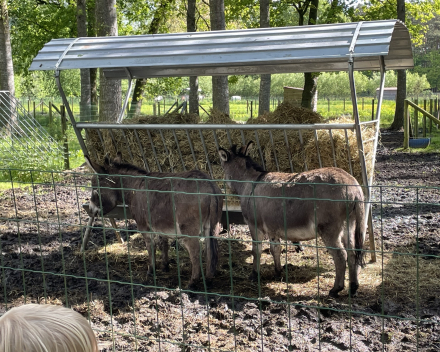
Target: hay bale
[
  {"x": 342, "y": 148},
  {"x": 179, "y": 150}
]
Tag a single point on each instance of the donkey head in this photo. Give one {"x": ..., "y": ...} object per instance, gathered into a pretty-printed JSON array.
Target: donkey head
[
  {"x": 104, "y": 195},
  {"x": 238, "y": 165}
]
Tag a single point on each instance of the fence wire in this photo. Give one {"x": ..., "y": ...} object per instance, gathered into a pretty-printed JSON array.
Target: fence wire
[{"x": 396, "y": 307}]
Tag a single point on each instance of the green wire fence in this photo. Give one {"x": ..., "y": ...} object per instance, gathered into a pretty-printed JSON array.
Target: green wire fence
[{"x": 396, "y": 307}]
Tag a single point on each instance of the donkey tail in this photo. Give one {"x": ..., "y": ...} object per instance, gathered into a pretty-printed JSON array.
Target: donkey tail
[
  {"x": 215, "y": 215},
  {"x": 359, "y": 235}
]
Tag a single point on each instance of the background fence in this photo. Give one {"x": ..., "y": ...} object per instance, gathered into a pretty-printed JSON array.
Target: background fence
[{"x": 397, "y": 306}]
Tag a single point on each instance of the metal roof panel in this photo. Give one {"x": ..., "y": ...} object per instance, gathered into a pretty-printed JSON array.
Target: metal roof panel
[{"x": 316, "y": 48}]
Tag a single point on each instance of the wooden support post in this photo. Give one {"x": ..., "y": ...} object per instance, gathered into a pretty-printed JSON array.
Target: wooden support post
[
  {"x": 372, "y": 110},
  {"x": 406, "y": 126},
  {"x": 154, "y": 109},
  {"x": 158, "y": 108},
  {"x": 431, "y": 102},
  {"x": 416, "y": 120},
  {"x": 424, "y": 118},
  {"x": 65, "y": 141},
  {"x": 251, "y": 107},
  {"x": 35, "y": 116},
  {"x": 328, "y": 104}
]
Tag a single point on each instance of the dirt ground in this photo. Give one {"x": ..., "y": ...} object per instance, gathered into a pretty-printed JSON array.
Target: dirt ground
[{"x": 397, "y": 306}]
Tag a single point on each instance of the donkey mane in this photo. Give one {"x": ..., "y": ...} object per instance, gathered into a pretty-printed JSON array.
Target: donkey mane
[
  {"x": 129, "y": 169},
  {"x": 249, "y": 162}
]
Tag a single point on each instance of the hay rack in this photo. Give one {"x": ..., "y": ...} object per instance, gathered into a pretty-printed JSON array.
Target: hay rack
[{"x": 370, "y": 45}]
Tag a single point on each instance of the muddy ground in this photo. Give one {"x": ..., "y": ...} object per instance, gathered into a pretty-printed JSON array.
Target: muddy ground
[{"x": 396, "y": 308}]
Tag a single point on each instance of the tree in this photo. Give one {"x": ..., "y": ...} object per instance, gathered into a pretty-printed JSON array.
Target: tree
[
  {"x": 160, "y": 16},
  {"x": 220, "y": 88},
  {"x": 6, "y": 65},
  {"x": 110, "y": 97},
  {"x": 264, "y": 96},
  {"x": 91, "y": 30},
  {"x": 85, "y": 102},
  {"x": 310, "y": 78},
  {"x": 401, "y": 80},
  {"x": 193, "y": 80}
]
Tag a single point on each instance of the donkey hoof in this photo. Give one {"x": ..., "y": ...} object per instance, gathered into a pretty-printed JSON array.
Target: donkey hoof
[
  {"x": 334, "y": 293},
  {"x": 253, "y": 276},
  {"x": 353, "y": 289},
  {"x": 192, "y": 286}
]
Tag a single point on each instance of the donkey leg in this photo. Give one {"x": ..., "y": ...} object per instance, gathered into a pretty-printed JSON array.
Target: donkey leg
[
  {"x": 257, "y": 246},
  {"x": 192, "y": 245},
  {"x": 151, "y": 248},
  {"x": 275, "y": 250},
  {"x": 353, "y": 268},
  {"x": 164, "y": 247},
  {"x": 339, "y": 254}
]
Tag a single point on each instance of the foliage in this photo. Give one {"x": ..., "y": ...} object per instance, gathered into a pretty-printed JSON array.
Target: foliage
[
  {"x": 35, "y": 23},
  {"x": 418, "y": 13}
]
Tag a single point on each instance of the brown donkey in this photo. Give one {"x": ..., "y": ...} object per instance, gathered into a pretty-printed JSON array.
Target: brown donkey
[
  {"x": 180, "y": 205},
  {"x": 295, "y": 207}
]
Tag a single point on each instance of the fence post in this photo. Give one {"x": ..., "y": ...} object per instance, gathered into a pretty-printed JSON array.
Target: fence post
[
  {"x": 362, "y": 103},
  {"x": 158, "y": 108},
  {"x": 154, "y": 109},
  {"x": 50, "y": 115},
  {"x": 328, "y": 104},
  {"x": 344, "y": 104},
  {"x": 64, "y": 134},
  {"x": 424, "y": 118},
  {"x": 416, "y": 119},
  {"x": 405, "y": 125},
  {"x": 372, "y": 110},
  {"x": 35, "y": 116},
  {"x": 251, "y": 107},
  {"x": 431, "y": 101}
]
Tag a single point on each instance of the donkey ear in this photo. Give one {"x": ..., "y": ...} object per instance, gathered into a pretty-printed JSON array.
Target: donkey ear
[
  {"x": 248, "y": 148},
  {"x": 224, "y": 154},
  {"x": 107, "y": 160},
  {"x": 118, "y": 158},
  {"x": 96, "y": 168}
]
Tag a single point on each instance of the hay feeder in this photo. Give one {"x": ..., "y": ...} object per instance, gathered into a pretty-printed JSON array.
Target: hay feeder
[{"x": 175, "y": 146}]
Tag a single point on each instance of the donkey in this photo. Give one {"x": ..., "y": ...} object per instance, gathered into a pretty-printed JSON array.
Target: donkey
[
  {"x": 176, "y": 204},
  {"x": 319, "y": 201}
]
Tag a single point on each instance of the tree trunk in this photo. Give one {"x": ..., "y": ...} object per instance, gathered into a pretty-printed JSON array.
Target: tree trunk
[
  {"x": 93, "y": 72},
  {"x": 401, "y": 80},
  {"x": 81, "y": 23},
  {"x": 265, "y": 80},
  {"x": 220, "y": 86},
  {"x": 310, "y": 78},
  {"x": 193, "y": 80},
  {"x": 160, "y": 16},
  {"x": 110, "y": 97},
  {"x": 136, "y": 101},
  {"x": 7, "y": 113}
]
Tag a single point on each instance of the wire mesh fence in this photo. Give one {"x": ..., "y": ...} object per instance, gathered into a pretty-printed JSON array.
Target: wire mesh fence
[{"x": 396, "y": 306}]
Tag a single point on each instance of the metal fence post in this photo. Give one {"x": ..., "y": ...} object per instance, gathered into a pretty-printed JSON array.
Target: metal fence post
[{"x": 64, "y": 134}]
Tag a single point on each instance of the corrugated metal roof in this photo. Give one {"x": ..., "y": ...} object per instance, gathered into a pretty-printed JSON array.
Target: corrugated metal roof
[{"x": 318, "y": 48}]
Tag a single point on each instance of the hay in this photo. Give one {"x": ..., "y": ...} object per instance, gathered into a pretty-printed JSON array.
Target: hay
[
  {"x": 345, "y": 149},
  {"x": 179, "y": 150}
]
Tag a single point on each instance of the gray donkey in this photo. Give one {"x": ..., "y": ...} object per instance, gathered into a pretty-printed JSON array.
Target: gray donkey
[
  {"x": 316, "y": 202},
  {"x": 180, "y": 205}
]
